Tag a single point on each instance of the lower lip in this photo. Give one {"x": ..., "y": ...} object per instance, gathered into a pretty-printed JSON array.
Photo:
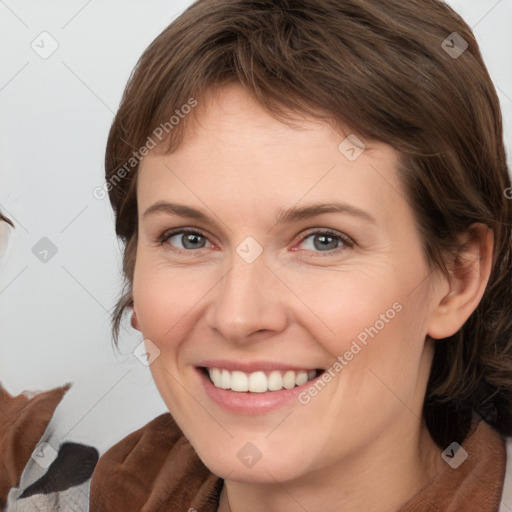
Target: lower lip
[{"x": 251, "y": 403}]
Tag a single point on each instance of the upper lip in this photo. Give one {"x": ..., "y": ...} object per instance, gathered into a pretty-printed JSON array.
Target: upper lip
[{"x": 253, "y": 366}]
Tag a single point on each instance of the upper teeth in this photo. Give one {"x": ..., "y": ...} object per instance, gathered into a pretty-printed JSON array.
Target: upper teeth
[{"x": 259, "y": 382}]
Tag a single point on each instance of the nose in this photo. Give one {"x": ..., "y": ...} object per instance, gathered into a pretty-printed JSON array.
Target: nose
[{"x": 248, "y": 303}]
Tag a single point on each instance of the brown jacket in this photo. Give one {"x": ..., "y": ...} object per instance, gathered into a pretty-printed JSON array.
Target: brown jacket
[{"x": 156, "y": 469}]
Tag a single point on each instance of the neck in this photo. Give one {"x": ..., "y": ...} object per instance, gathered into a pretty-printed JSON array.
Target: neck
[{"x": 383, "y": 478}]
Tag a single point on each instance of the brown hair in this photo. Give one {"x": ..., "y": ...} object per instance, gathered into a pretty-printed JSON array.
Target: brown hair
[
  {"x": 382, "y": 68},
  {"x": 4, "y": 218}
]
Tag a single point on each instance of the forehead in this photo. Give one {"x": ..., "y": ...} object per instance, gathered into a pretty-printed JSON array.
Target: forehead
[
  {"x": 235, "y": 148},
  {"x": 231, "y": 116}
]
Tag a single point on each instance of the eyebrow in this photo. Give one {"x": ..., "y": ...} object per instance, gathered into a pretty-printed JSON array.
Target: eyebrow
[{"x": 289, "y": 216}]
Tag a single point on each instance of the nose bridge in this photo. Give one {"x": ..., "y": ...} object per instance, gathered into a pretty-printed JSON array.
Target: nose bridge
[{"x": 244, "y": 302}]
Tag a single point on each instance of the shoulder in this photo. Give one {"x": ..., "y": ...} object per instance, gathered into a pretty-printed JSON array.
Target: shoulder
[
  {"x": 37, "y": 472},
  {"x": 491, "y": 452},
  {"x": 506, "y": 498},
  {"x": 153, "y": 468},
  {"x": 47, "y": 461},
  {"x": 23, "y": 420}
]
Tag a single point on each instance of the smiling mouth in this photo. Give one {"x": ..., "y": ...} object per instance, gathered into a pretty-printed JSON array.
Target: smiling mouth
[{"x": 259, "y": 381}]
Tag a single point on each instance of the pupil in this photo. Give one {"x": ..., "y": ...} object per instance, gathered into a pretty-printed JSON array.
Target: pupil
[
  {"x": 324, "y": 238},
  {"x": 190, "y": 239}
]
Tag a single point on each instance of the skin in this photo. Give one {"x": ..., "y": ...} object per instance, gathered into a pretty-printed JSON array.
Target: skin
[{"x": 360, "y": 443}]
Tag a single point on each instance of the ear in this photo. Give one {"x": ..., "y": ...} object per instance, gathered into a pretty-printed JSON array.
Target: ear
[
  {"x": 469, "y": 271},
  {"x": 134, "y": 322}
]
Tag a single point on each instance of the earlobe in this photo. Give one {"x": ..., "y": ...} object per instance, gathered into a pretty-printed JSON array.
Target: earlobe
[
  {"x": 134, "y": 321},
  {"x": 469, "y": 275}
]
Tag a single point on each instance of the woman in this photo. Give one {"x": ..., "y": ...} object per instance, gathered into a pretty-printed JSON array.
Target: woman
[{"x": 312, "y": 198}]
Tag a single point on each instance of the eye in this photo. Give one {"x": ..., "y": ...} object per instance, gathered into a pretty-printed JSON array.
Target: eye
[
  {"x": 326, "y": 241},
  {"x": 189, "y": 240}
]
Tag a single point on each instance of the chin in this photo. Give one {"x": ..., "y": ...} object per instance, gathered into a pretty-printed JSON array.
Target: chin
[{"x": 265, "y": 470}]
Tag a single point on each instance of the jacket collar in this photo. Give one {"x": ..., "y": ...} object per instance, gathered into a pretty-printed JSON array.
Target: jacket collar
[{"x": 155, "y": 468}]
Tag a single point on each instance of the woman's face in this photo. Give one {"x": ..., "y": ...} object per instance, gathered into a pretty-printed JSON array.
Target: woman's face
[{"x": 264, "y": 282}]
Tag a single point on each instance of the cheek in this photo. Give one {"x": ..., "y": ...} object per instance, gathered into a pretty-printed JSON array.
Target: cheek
[
  {"x": 340, "y": 306},
  {"x": 166, "y": 299},
  {"x": 372, "y": 319},
  {"x": 347, "y": 310}
]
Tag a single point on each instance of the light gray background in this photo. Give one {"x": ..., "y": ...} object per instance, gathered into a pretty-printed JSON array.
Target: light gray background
[{"x": 55, "y": 116}]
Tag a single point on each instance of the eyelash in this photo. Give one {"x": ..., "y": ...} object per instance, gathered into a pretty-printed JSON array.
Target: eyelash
[{"x": 347, "y": 241}]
